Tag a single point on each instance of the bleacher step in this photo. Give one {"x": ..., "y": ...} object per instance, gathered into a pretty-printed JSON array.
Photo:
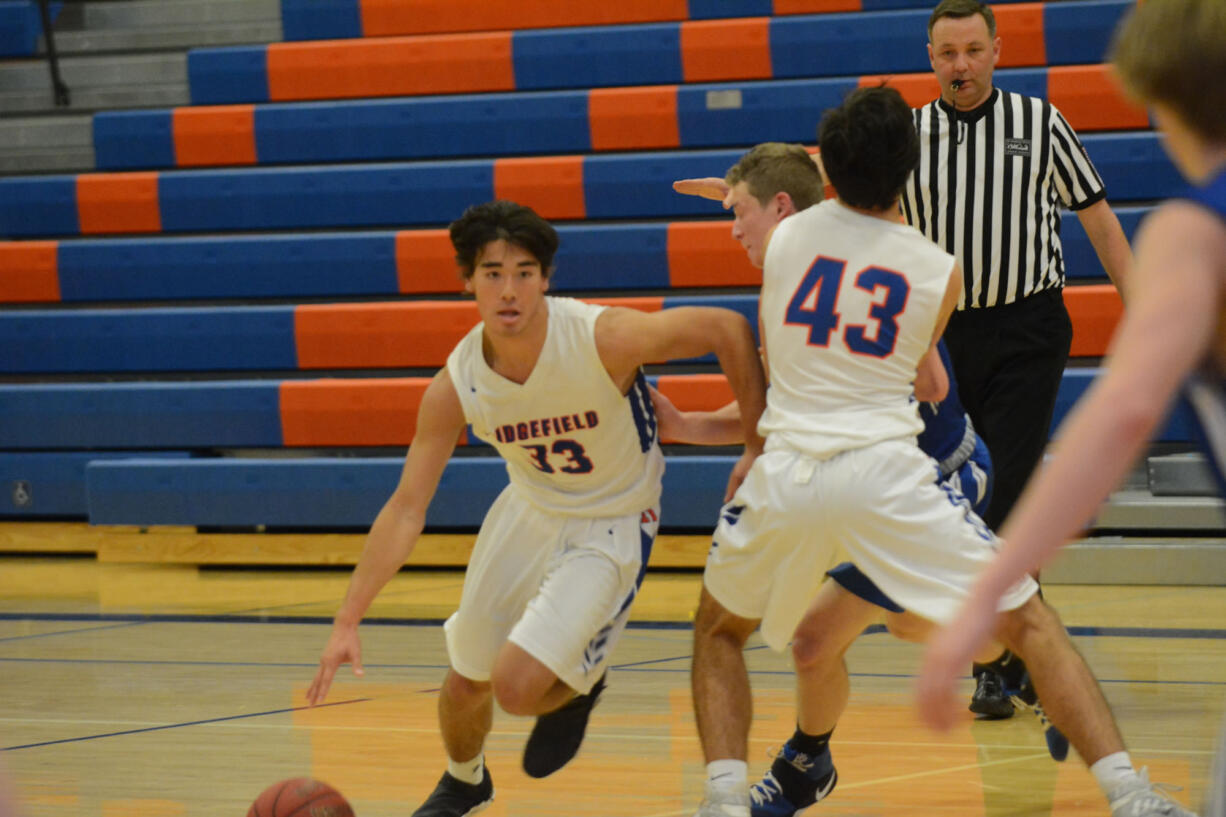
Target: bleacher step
[
  {"x": 97, "y": 83},
  {"x": 1141, "y": 510},
  {"x": 46, "y": 143},
  {"x": 1181, "y": 475}
]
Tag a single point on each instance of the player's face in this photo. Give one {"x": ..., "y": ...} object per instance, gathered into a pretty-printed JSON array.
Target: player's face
[
  {"x": 962, "y": 51},
  {"x": 1181, "y": 144},
  {"x": 752, "y": 220},
  {"x": 509, "y": 286}
]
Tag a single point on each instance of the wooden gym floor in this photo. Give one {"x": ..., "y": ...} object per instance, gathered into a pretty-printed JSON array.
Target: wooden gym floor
[{"x": 144, "y": 690}]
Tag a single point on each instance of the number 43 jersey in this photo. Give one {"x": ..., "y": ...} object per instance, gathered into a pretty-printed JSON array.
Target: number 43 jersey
[
  {"x": 849, "y": 304},
  {"x": 573, "y": 443}
]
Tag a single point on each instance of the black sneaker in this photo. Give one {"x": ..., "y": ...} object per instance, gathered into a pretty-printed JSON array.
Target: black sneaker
[
  {"x": 806, "y": 778},
  {"x": 455, "y": 798},
  {"x": 991, "y": 699},
  {"x": 558, "y": 734}
]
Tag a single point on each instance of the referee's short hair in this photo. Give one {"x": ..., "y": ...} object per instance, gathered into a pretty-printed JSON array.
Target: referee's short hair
[
  {"x": 1169, "y": 51},
  {"x": 869, "y": 147},
  {"x": 514, "y": 223},
  {"x": 777, "y": 167},
  {"x": 961, "y": 9}
]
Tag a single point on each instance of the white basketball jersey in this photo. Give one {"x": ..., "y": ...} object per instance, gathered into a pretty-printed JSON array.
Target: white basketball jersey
[
  {"x": 573, "y": 443},
  {"x": 849, "y": 304}
]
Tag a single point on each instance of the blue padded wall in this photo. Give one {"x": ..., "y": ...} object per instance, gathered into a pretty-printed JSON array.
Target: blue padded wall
[
  {"x": 322, "y": 196},
  {"x": 218, "y": 76},
  {"x": 52, "y": 484},
  {"x": 228, "y": 267},
  {"x": 320, "y": 19},
  {"x": 196, "y": 340},
  {"x": 205, "y": 414},
  {"x": 597, "y": 56},
  {"x": 477, "y": 125},
  {"x": 38, "y": 206},
  {"x": 127, "y": 140}
]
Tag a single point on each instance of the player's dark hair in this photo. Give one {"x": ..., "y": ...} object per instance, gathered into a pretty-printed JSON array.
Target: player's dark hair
[
  {"x": 506, "y": 220},
  {"x": 869, "y": 146},
  {"x": 961, "y": 9},
  {"x": 776, "y": 167},
  {"x": 1169, "y": 52}
]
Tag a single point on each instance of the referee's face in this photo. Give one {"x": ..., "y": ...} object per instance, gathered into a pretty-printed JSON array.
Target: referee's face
[
  {"x": 963, "y": 51},
  {"x": 752, "y": 220}
]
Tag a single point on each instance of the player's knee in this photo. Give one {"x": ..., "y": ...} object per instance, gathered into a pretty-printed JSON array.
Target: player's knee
[
  {"x": 712, "y": 621},
  {"x": 1026, "y": 628},
  {"x": 463, "y": 690},
  {"x": 515, "y": 694},
  {"x": 812, "y": 647}
]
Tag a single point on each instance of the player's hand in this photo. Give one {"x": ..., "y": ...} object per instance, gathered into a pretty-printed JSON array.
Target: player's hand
[
  {"x": 740, "y": 471},
  {"x": 670, "y": 422},
  {"x": 711, "y": 187},
  {"x": 343, "y": 647},
  {"x": 949, "y": 652}
]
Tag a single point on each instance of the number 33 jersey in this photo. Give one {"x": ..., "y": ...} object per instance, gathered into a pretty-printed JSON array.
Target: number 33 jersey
[
  {"x": 573, "y": 443},
  {"x": 849, "y": 304}
]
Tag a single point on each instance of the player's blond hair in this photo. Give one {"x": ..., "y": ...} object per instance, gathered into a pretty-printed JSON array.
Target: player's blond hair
[
  {"x": 1173, "y": 52},
  {"x": 777, "y": 167}
]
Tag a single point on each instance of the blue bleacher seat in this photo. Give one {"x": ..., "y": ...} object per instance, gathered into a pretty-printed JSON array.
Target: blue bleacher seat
[{"x": 51, "y": 484}]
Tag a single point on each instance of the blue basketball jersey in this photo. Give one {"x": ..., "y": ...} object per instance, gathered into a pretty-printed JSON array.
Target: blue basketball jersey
[
  {"x": 944, "y": 422},
  {"x": 1206, "y": 391}
]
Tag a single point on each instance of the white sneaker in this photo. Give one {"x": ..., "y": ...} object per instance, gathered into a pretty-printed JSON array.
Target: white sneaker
[
  {"x": 1137, "y": 797},
  {"x": 724, "y": 802}
]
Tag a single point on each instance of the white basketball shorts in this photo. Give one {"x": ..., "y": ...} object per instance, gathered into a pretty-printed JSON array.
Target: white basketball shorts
[
  {"x": 559, "y": 587},
  {"x": 917, "y": 540}
]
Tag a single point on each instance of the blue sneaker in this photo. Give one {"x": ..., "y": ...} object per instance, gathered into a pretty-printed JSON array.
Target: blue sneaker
[
  {"x": 795, "y": 782},
  {"x": 1026, "y": 698}
]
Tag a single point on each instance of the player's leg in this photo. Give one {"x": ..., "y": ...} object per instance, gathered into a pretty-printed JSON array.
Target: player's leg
[
  {"x": 503, "y": 574},
  {"x": 1076, "y": 705},
  {"x": 764, "y": 567},
  {"x": 803, "y": 772},
  {"x": 555, "y": 660}
]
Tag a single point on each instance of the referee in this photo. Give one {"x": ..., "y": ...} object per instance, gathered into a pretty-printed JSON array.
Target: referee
[{"x": 995, "y": 169}]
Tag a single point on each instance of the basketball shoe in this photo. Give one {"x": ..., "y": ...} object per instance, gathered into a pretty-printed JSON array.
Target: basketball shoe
[
  {"x": 557, "y": 735},
  {"x": 795, "y": 782},
  {"x": 1138, "y": 797},
  {"x": 724, "y": 802},
  {"x": 455, "y": 798}
]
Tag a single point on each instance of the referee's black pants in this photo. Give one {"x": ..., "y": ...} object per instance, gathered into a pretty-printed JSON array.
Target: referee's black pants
[{"x": 1008, "y": 361}]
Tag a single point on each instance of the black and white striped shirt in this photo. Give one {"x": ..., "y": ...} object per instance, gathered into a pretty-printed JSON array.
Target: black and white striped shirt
[{"x": 989, "y": 187}]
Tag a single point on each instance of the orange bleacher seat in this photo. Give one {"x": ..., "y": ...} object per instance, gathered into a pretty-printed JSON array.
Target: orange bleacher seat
[
  {"x": 713, "y": 50},
  {"x": 703, "y": 254},
  {"x": 551, "y": 185},
  {"x": 1020, "y": 28},
  {"x": 1092, "y": 97},
  {"x": 425, "y": 262},
  {"x": 397, "y": 66},
  {"x": 29, "y": 271},
  {"x": 381, "y": 18},
  {"x": 214, "y": 135},
  {"x": 634, "y": 118},
  {"x": 350, "y": 411},
  {"x": 118, "y": 203},
  {"x": 1095, "y": 311}
]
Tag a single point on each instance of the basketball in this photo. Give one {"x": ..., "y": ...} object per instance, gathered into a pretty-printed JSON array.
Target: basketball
[{"x": 300, "y": 797}]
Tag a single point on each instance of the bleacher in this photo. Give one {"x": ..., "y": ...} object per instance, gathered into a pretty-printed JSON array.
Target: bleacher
[{"x": 219, "y": 315}]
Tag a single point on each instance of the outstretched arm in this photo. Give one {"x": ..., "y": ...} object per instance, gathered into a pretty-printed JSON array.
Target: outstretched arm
[
  {"x": 1176, "y": 295},
  {"x": 627, "y": 339},
  {"x": 719, "y": 427},
  {"x": 392, "y": 537}
]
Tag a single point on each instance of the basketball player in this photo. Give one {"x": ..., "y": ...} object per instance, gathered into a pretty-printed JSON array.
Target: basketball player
[
  {"x": 555, "y": 386},
  {"x": 852, "y": 306},
  {"x": 1172, "y": 336},
  {"x": 769, "y": 183}
]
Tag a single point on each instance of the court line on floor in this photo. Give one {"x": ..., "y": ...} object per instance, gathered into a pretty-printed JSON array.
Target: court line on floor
[
  {"x": 176, "y": 725},
  {"x": 243, "y": 617}
]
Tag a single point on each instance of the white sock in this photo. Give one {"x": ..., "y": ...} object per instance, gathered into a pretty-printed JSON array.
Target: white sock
[
  {"x": 1113, "y": 770},
  {"x": 728, "y": 774},
  {"x": 469, "y": 771}
]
